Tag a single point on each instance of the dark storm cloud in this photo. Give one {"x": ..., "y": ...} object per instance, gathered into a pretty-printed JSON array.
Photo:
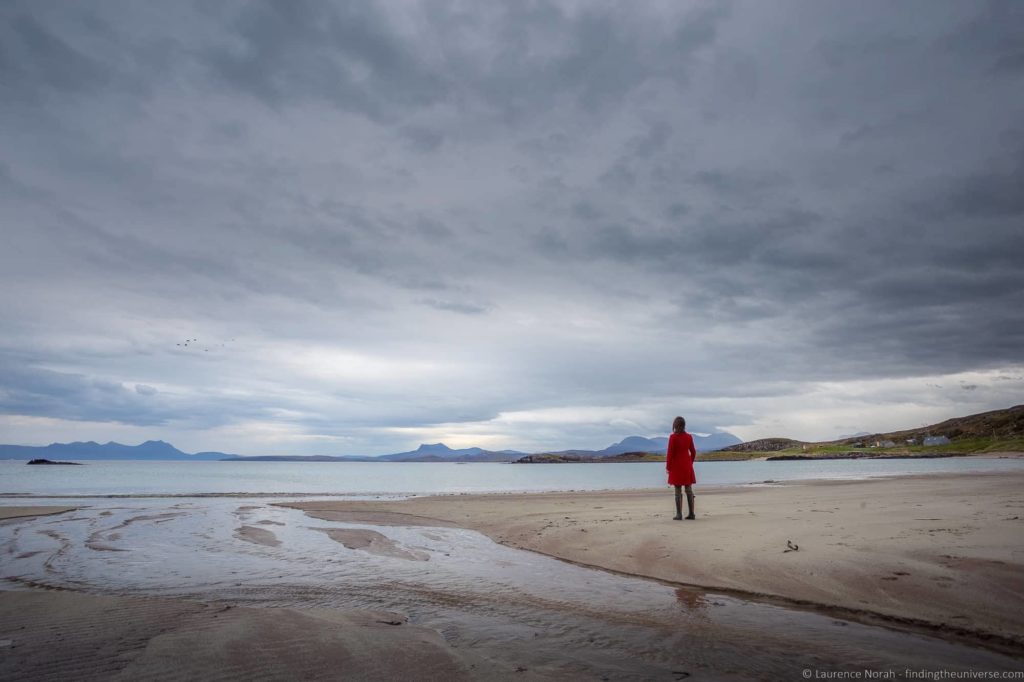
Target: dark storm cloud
[
  {"x": 531, "y": 204},
  {"x": 346, "y": 53},
  {"x": 989, "y": 193},
  {"x": 993, "y": 36},
  {"x": 543, "y": 54},
  {"x": 32, "y": 57}
]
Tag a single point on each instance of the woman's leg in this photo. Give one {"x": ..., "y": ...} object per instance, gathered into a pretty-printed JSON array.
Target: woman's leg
[
  {"x": 679, "y": 504},
  {"x": 689, "y": 502}
]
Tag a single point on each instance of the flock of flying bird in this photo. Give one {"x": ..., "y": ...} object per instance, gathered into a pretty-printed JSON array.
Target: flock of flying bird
[{"x": 186, "y": 342}]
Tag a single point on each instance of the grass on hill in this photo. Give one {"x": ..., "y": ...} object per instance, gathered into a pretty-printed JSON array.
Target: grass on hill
[
  {"x": 965, "y": 446},
  {"x": 995, "y": 431}
]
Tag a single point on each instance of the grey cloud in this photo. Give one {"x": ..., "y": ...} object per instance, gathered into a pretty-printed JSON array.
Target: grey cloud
[
  {"x": 987, "y": 194},
  {"x": 883, "y": 339},
  {"x": 1011, "y": 63},
  {"x": 595, "y": 55},
  {"x": 911, "y": 289},
  {"x": 456, "y": 306},
  {"x": 677, "y": 210},
  {"x": 619, "y": 178},
  {"x": 423, "y": 139},
  {"x": 740, "y": 183},
  {"x": 62, "y": 395},
  {"x": 703, "y": 243},
  {"x": 549, "y": 243},
  {"x": 589, "y": 200},
  {"x": 31, "y": 55},
  {"x": 653, "y": 141},
  {"x": 992, "y": 33},
  {"x": 345, "y": 53}
]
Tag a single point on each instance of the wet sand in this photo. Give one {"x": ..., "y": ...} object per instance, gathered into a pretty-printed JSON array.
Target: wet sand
[
  {"x": 21, "y": 512},
  {"x": 942, "y": 551},
  {"x": 381, "y": 590},
  {"x": 63, "y": 635},
  {"x": 373, "y": 542},
  {"x": 259, "y": 536}
]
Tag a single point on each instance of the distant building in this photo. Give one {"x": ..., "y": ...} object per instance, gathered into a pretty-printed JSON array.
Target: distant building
[
  {"x": 911, "y": 441},
  {"x": 936, "y": 440},
  {"x": 885, "y": 444}
]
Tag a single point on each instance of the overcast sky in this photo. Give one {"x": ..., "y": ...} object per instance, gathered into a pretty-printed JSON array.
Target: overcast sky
[{"x": 529, "y": 225}]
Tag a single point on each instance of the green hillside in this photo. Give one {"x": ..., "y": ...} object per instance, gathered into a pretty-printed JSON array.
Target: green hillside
[{"x": 995, "y": 431}]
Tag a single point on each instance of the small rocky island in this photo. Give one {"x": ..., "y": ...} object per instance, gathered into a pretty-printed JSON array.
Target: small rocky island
[{"x": 48, "y": 461}]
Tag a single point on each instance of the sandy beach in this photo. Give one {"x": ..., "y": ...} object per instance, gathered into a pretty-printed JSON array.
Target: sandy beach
[
  {"x": 63, "y": 635},
  {"x": 942, "y": 555},
  {"x": 941, "y": 550}
]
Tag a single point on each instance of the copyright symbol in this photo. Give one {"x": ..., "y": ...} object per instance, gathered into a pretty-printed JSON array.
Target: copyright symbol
[{"x": 806, "y": 673}]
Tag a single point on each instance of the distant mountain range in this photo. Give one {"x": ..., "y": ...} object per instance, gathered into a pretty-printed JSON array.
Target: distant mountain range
[
  {"x": 436, "y": 452},
  {"x": 713, "y": 441},
  {"x": 158, "y": 450},
  {"x": 91, "y": 450}
]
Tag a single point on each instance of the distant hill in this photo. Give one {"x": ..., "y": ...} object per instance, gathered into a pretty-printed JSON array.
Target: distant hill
[
  {"x": 439, "y": 452},
  {"x": 427, "y": 452},
  {"x": 997, "y": 425},
  {"x": 300, "y": 458},
  {"x": 764, "y": 445},
  {"x": 714, "y": 441},
  {"x": 156, "y": 450}
]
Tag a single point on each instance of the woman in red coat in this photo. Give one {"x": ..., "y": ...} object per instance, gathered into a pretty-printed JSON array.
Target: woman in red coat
[{"x": 679, "y": 464}]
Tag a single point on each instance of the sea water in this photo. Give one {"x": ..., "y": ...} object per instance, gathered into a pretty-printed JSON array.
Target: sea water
[{"x": 101, "y": 478}]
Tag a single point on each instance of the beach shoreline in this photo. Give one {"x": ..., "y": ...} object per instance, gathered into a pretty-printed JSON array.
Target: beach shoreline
[
  {"x": 938, "y": 555},
  {"x": 936, "y": 552}
]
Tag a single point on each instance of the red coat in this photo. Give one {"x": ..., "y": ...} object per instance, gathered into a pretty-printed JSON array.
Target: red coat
[{"x": 679, "y": 463}]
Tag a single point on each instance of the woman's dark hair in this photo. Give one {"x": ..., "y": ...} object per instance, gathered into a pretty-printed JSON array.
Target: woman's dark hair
[{"x": 678, "y": 425}]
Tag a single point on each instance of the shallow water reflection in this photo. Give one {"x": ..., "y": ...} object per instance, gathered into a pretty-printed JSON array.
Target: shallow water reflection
[{"x": 519, "y": 608}]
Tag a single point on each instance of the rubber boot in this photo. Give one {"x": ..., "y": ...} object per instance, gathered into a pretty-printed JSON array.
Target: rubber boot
[
  {"x": 679, "y": 507},
  {"x": 689, "y": 503}
]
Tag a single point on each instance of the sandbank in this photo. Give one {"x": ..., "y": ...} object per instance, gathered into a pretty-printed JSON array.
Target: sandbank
[
  {"x": 944, "y": 551},
  {"x": 19, "y": 512},
  {"x": 259, "y": 536}
]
